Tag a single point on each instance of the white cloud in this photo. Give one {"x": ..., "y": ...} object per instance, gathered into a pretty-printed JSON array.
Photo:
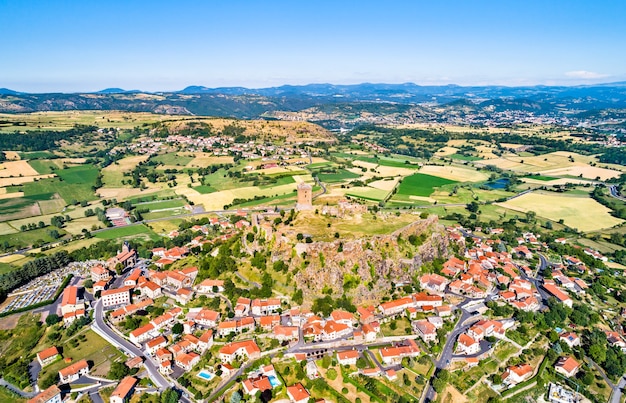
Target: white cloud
[{"x": 585, "y": 75}]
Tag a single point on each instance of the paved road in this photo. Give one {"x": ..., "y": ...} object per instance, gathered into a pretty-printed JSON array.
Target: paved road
[
  {"x": 101, "y": 327},
  {"x": 245, "y": 280},
  {"x": 616, "y": 397},
  {"x": 17, "y": 390},
  {"x": 462, "y": 325},
  {"x": 613, "y": 191}
]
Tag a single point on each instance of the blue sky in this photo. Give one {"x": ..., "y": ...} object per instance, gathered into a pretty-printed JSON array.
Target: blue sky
[{"x": 166, "y": 45}]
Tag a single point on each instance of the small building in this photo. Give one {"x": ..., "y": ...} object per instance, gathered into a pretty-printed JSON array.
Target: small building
[
  {"x": 74, "y": 371},
  {"x": 298, "y": 394},
  {"x": 115, "y": 297},
  {"x": 516, "y": 374},
  {"x": 71, "y": 301},
  {"x": 124, "y": 390},
  {"x": 567, "y": 366},
  {"x": 48, "y": 356},
  {"x": 50, "y": 395},
  {"x": 348, "y": 357}
]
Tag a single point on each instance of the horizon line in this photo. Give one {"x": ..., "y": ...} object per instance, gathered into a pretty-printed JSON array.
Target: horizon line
[{"x": 450, "y": 84}]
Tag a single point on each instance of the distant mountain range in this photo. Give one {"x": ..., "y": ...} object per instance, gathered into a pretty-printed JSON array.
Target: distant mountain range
[{"x": 243, "y": 102}]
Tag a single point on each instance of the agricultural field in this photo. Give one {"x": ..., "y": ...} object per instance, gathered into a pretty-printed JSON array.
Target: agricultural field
[
  {"x": 340, "y": 175},
  {"x": 128, "y": 232},
  {"x": 201, "y": 160},
  {"x": 367, "y": 193},
  {"x": 11, "y": 169},
  {"x": 173, "y": 160},
  {"x": 113, "y": 174},
  {"x": 580, "y": 212},
  {"x": 67, "y": 120},
  {"x": 72, "y": 184},
  {"x": 558, "y": 163},
  {"x": 455, "y": 173},
  {"x": 421, "y": 184}
]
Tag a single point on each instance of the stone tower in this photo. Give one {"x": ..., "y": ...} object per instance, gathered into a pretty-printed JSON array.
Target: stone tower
[{"x": 305, "y": 197}]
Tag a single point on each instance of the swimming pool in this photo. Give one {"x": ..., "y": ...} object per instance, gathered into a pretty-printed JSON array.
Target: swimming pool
[
  {"x": 273, "y": 381},
  {"x": 206, "y": 375}
]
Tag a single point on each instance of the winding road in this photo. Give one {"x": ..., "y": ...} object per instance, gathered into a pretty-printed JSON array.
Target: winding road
[{"x": 102, "y": 328}]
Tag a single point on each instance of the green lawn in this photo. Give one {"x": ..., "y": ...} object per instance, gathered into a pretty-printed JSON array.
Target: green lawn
[
  {"x": 338, "y": 176},
  {"x": 160, "y": 205},
  {"x": 421, "y": 185},
  {"x": 91, "y": 347},
  {"x": 128, "y": 231}
]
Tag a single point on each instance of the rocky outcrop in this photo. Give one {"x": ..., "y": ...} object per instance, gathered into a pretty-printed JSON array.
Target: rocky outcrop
[{"x": 365, "y": 268}]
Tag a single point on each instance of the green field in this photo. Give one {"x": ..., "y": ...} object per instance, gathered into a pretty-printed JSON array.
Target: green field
[
  {"x": 395, "y": 162},
  {"x": 173, "y": 159},
  {"x": 128, "y": 231},
  {"x": 44, "y": 166},
  {"x": 36, "y": 155},
  {"x": 161, "y": 205},
  {"x": 541, "y": 178},
  {"x": 283, "y": 180},
  {"x": 421, "y": 185},
  {"x": 72, "y": 184},
  {"x": 28, "y": 238},
  {"x": 367, "y": 193},
  {"x": 288, "y": 198},
  {"x": 317, "y": 165},
  {"x": 204, "y": 189},
  {"x": 5, "y": 268},
  {"x": 339, "y": 176},
  {"x": 464, "y": 157},
  {"x": 168, "y": 193}
]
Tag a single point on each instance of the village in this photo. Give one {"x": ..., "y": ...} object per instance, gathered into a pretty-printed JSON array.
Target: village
[{"x": 452, "y": 320}]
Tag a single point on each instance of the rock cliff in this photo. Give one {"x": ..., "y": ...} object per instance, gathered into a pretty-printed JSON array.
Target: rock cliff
[{"x": 365, "y": 268}]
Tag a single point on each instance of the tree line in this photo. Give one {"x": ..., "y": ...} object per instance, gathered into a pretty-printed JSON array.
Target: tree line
[
  {"x": 42, "y": 140},
  {"x": 30, "y": 270}
]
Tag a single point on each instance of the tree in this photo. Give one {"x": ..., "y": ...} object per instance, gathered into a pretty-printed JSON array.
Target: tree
[
  {"x": 597, "y": 352},
  {"x": 177, "y": 328},
  {"x": 169, "y": 396},
  {"x": 88, "y": 283},
  {"x": 235, "y": 397},
  {"x": 473, "y": 207},
  {"x": 118, "y": 370},
  {"x": 361, "y": 363},
  {"x": 52, "y": 319},
  {"x": 588, "y": 378},
  {"x": 49, "y": 380}
]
